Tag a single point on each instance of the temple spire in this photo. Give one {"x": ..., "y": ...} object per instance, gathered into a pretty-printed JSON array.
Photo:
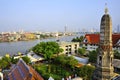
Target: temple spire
[{"x": 106, "y": 9}]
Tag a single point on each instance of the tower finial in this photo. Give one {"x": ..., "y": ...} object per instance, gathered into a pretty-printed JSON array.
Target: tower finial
[{"x": 106, "y": 9}]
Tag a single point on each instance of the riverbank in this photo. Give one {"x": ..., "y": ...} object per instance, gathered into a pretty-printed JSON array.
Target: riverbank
[{"x": 22, "y": 46}]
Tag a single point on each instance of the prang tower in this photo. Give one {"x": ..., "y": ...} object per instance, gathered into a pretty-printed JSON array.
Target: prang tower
[{"x": 104, "y": 68}]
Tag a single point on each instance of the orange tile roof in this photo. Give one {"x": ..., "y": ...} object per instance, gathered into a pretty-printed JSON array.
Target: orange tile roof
[
  {"x": 95, "y": 38},
  {"x": 115, "y": 38},
  {"x": 21, "y": 71}
]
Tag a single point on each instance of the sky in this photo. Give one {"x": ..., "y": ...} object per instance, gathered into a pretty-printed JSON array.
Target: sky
[{"x": 54, "y": 15}]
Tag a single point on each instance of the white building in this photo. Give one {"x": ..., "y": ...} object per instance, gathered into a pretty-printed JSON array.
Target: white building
[
  {"x": 69, "y": 47},
  {"x": 91, "y": 41}
]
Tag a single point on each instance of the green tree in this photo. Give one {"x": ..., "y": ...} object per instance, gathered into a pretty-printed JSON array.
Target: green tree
[
  {"x": 39, "y": 48},
  {"x": 116, "y": 54},
  {"x": 72, "y": 62},
  {"x": 13, "y": 60},
  {"x": 93, "y": 56},
  {"x": 47, "y": 49},
  {"x": 26, "y": 59},
  {"x": 66, "y": 61},
  {"x": 81, "y": 51},
  {"x": 78, "y": 39},
  {"x": 85, "y": 72},
  {"x": 5, "y": 62}
]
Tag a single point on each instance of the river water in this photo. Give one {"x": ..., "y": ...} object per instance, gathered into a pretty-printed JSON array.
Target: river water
[{"x": 22, "y": 46}]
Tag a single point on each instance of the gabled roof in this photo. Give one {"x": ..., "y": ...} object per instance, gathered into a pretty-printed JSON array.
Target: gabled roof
[
  {"x": 21, "y": 71},
  {"x": 92, "y": 38},
  {"x": 95, "y": 38},
  {"x": 115, "y": 38}
]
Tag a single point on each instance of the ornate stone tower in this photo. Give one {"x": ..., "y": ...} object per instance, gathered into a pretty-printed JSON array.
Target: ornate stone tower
[{"x": 104, "y": 68}]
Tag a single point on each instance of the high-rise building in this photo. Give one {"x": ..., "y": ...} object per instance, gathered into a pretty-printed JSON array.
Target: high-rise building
[{"x": 104, "y": 67}]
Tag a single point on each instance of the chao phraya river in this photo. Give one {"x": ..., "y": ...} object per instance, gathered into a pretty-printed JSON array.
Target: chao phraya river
[{"x": 22, "y": 46}]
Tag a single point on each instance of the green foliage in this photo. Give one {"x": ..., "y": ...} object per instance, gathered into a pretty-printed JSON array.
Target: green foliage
[
  {"x": 5, "y": 62},
  {"x": 61, "y": 66},
  {"x": 77, "y": 39},
  {"x": 26, "y": 59},
  {"x": 48, "y": 49},
  {"x": 66, "y": 61},
  {"x": 57, "y": 71},
  {"x": 93, "y": 56},
  {"x": 81, "y": 51},
  {"x": 116, "y": 54},
  {"x": 85, "y": 72},
  {"x": 13, "y": 60}
]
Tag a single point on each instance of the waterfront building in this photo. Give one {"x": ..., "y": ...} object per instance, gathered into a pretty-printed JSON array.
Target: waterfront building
[
  {"x": 91, "y": 41},
  {"x": 104, "y": 67},
  {"x": 69, "y": 47}
]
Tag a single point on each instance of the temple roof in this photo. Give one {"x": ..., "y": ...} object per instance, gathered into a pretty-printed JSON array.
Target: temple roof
[
  {"x": 95, "y": 38},
  {"x": 21, "y": 71}
]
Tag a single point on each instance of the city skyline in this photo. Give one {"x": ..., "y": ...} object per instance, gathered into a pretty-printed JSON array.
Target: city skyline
[{"x": 51, "y": 15}]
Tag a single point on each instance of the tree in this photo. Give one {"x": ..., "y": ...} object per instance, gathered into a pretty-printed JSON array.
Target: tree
[
  {"x": 78, "y": 39},
  {"x": 66, "y": 61},
  {"x": 116, "y": 54},
  {"x": 47, "y": 49},
  {"x": 85, "y": 72},
  {"x": 5, "y": 62},
  {"x": 13, "y": 60},
  {"x": 26, "y": 59},
  {"x": 71, "y": 62},
  {"x": 93, "y": 56},
  {"x": 39, "y": 48},
  {"x": 81, "y": 51}
]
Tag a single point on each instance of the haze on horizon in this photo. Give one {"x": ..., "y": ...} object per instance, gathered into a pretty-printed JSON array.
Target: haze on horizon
[{"x": 53, "y": 15}]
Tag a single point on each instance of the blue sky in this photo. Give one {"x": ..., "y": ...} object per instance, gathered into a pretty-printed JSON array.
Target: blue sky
[{"x": 53, "y": 15}]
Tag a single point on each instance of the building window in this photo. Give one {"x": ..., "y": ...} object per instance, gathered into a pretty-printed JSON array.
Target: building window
[
  {"x": 75, "y": 47},
  {"x": 70, "y": 49},
  {"x": 66, "y": 49},
  {"x": 100, "y": 60},
  {"x": 85, "y": 40},
  {"x": 75, "y": 51}
]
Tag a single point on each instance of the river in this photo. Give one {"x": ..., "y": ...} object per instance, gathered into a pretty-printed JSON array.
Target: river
[{"x": 22, "y": 46}]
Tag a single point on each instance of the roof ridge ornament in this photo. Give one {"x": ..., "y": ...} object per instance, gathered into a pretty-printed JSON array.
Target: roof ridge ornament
[{"x": 106, "y": 9}]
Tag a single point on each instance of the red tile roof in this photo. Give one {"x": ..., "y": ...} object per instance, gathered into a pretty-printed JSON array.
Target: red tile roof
[
  {"x": 95, "y": 38},
  {"x": 22, "y": 71},
  {"x": 115, "y": 38}
]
